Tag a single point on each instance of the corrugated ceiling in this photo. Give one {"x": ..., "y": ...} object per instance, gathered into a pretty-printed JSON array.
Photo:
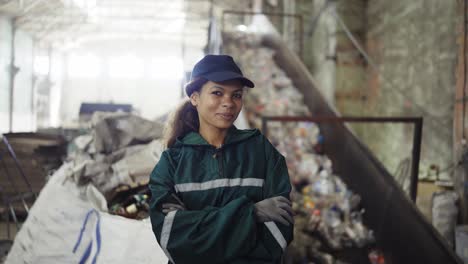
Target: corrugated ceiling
[{"x": 59, "y": 22}]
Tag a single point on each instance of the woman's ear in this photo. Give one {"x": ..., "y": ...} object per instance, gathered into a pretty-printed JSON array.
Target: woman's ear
[{"x": 194, "y": 97}]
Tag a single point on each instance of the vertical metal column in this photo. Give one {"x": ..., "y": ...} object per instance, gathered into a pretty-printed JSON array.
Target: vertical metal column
[
  {"x": 13, "y": 70},
  {"x": 417, "y": 138}
]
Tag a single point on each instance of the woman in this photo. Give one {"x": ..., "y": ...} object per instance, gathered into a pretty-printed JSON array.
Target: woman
[{"x": 219, "y": 194}]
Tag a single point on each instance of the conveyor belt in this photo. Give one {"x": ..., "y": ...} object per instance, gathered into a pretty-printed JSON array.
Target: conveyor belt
[{"x": 401, "y": 230}]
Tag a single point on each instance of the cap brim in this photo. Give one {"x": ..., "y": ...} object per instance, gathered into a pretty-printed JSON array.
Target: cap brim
[{"x": 227, "y": 76}]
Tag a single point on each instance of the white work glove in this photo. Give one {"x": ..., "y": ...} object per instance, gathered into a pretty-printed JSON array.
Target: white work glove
[
  {"x": 277, "y": 209},
  {"x": 169, "y": 207}
]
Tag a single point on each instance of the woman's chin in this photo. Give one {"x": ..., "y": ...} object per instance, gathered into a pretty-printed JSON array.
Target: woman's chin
[{"x": 224, "y": 124}]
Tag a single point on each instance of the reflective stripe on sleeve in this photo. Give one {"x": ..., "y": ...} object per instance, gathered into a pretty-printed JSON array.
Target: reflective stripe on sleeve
[
  {"x": 166, "y": 233},
  {"x": 276, "y": 234},
  {"x": 219, "y": 183}
]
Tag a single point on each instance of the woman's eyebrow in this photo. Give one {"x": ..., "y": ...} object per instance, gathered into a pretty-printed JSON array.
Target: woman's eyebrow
[
  {"x": 222, "y": 88},
  {"x": 216, "y": 86}
]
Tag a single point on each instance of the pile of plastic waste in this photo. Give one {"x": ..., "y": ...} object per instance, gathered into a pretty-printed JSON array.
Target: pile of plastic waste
[
  {"x": 77, "y": 216},
  {"x": 117, "y": 157},
  {"x": 328, "y": 213}
]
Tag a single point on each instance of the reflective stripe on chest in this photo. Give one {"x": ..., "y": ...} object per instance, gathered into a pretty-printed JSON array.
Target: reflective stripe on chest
[{"x": 218, "y": 183}]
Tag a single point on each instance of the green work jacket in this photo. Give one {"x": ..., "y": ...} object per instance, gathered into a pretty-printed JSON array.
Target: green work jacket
[{"x": 219, "y": 187}]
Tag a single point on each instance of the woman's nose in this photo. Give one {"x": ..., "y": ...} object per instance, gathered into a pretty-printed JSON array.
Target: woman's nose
[{"x": 227, "y": 101}]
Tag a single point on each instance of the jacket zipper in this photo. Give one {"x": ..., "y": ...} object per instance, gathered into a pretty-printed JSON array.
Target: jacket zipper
[
  {"x": 220, "y": 160},
  {"x": 218, "y": 155}
]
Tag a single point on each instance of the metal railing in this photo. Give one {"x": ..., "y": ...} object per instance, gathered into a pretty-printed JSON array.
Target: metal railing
[{"x": 417, "y": 135}]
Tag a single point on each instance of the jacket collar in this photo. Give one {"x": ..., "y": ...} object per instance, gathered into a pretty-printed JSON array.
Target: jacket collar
[{"x": 234, "y": 135}]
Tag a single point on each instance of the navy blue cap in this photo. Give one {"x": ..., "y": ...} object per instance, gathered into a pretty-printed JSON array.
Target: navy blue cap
[{"x": 217, "y": 68}]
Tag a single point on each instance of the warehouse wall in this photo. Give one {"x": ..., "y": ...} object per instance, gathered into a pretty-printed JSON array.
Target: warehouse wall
[
  {"x": 54, "y": 94},
  {"x": 151, "y": 96},
  {"x": 23, "y": 113},
  {"x": 5, "y": 57},
  {"x": 23, "y": 118},
  {"x": 350, "y": 65},
  {"x": 460, "y": 147},
  {"x": 352, "y": 81},
  {"x": 334, "y": 61},
  {"x": 414, "y": 43},
  {"x": 337, "y": 66}
]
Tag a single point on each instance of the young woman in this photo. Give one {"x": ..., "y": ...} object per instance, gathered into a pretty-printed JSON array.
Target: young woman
[{"x": 219, "y": 194}]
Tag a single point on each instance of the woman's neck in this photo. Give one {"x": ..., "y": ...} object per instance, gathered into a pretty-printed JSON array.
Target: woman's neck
[{"x": 213, "y": 136}]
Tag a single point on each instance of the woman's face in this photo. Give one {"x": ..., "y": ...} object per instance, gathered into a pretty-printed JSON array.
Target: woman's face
[{"x": 218, "y": 104}]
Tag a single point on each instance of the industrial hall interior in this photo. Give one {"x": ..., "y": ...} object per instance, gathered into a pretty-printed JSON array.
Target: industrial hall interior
[{"x": 246, "y": 131}]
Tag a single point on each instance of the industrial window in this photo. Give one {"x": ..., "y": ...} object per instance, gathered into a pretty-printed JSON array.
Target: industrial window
[
  {"x": 84, "y": 66},
  {"x": 126, "y": 67}
]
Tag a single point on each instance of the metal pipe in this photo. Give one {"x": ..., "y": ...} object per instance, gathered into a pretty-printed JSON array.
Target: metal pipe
[
  {"x": 8, "y": 222},
  {"x": 8, "y": 175},
  {"x": 342, "y": 119},
  {"x": 33, "y": 91},
  {"x": 260, "y": 13},
  {"x": 18, "y": 166},
  {"x": 6, "y": 214}
]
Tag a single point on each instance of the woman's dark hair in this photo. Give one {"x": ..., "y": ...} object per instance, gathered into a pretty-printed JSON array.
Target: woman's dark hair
[{"x": 185, "y": 118}]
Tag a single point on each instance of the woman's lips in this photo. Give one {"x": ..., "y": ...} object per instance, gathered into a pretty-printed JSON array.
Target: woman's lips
[{"x": 226, "y": 116}]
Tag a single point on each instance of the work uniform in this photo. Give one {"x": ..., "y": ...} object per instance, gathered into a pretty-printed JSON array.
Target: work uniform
[{"x": 219, "y": 187}]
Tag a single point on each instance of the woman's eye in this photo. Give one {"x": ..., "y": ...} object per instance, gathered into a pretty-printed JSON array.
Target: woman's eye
[
  {"x": 238, "y": 96},
  {"x": 217, "y": 93}
]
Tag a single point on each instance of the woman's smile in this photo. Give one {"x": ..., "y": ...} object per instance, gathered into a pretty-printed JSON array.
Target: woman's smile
[{"x": 226, "y": 116}]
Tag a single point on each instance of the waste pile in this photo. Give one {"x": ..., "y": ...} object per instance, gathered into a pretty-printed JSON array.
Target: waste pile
[
  {"x": 329, "y": 219},
  {"x": 117, "y": 157}
]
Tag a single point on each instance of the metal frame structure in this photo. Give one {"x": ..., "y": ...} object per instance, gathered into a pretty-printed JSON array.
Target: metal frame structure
[
  {"x": 296, "y": 16},
  {"x": 7, "y": 200},
  {"x": 417, "y": 135},
  {"x": 62, "y": 21}
]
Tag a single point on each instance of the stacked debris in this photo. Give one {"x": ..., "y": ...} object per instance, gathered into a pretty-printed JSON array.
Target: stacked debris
[
  {"x": 35, "y": 155},
  {"x": 274, "y": 94},
  {"x": 117, "y": 157},
  {"x": 328, "y": 217}
]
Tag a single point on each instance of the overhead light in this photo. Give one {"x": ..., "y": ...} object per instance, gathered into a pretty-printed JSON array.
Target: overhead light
[
  {"x": 242, "y": 28},
  {"x": 84, "y": 66}
]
